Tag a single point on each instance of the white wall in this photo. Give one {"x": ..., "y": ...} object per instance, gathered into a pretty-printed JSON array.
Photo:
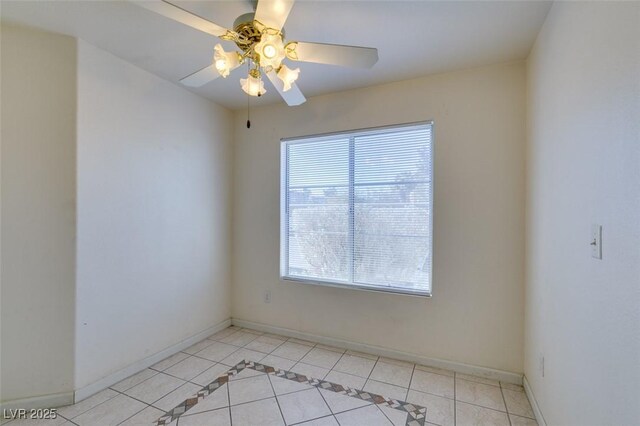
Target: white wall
[
  {"x": 38, "y": 212},
  {"x": 476, "y": 313},
  {"x": 154, "y": 169},
  {"x": 583, "y": 314}
]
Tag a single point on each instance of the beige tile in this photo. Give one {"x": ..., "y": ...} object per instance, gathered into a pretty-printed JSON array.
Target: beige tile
[
  {"x": 264, "y": 344},
  {"x": 283, "y": 386},
  {"x": 292, "y": 350},
  {"x": 479, "y": 394},
  {"x": 276, "y": 336},
  {"x": 278, "y": 362},
  {"x": 432, "y": 383},
  {"x": 131, "y": 381},
  {"x": 362, "y": 354},
  {"x": 330, "y": 348},
  {"x": 168, "y": 362},
  {"x": 154, "y": 388},
  {"x": 344, "y": 379},
  {"x": 263, "y": 413},
  {"x": 522, "y": 421},
  {"x": 144, "y": 417},
  {"x": 356, "y": 365},
  {"x": 439, "y": 409},
  {"x": 111, "y": 412},
  {"x": 194, "y": 349},
  {"x": 339, "y": 403},
  {"x": 219, "y": 417},
  {"x": 301, "y": 342},
  {"x": 322, "y": 358},
  {"x": 224, "y": 333},
  {"x": 240, "y": 338},
  {"x": 246, "y": 373},
  {"x": 176, "y": 397},
  {"x": 217, "y": 399},
  {"x": 366, "y": 416},
  {"x": 250, "y": 330},
  {"x": 518, "y": 403},
  {"x": 242, "y": 355},
  {"x": 302, "y": 406},
  {"x": 386, "y": 390},
  {"x": 210, "y": 374},
  {"x": 397, "y": 417},
  {"x": 189, "y": 368},
  {"x": 217, "y": 352},
  {"x": 399, "y": 375},
  {"x": 248, "y": 390},
  {"x": 74, "y": 410},
  {"x": 478, "y": 379},
  {"x": 472, "y": 415},
  {"x": 435, "y": 370},
  {"x": 512, "y": 387},
  {"x": 311, "y": 371},
  {"x": 323, "y": 421},
  {"x": 397, "y": 362}
]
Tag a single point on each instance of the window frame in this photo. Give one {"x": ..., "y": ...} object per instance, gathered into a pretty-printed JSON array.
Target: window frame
[{"x": 284, "y": 217}]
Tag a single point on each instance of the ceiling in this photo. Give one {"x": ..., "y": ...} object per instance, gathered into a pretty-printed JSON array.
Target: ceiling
[{"x": 413, "y": 38}]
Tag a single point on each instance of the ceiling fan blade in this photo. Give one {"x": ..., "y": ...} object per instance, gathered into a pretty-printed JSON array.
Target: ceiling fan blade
[
  {"x": 176, "y": 13},
  {"x": 273, "y": 13},
  {"x": 332, "y": 54},
  {"x": 292, "y": 96},
  {"x": 203, "y": 76}
]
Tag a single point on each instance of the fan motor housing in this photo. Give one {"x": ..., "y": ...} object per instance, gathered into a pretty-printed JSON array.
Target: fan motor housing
[{"x": 244, "y": 26}]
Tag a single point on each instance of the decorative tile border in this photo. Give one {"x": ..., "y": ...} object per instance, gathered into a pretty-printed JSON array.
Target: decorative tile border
[{"x": 415, "y": 413}]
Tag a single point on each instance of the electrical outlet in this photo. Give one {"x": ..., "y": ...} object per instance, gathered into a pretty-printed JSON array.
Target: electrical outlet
[
  {"x": 267, "y": 296},
  {"x": 541, "y": 366}
]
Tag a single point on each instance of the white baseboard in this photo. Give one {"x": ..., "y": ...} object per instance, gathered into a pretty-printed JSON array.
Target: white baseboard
[
  {"x": 44, "y": 401},
  {"x": 490, "y": 373},
  {"x": 534, "y": 402},
  {"x": 140, "y": 365}
]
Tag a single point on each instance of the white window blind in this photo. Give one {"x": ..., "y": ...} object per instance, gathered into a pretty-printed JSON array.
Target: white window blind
[{"x": 356, "y": 209}]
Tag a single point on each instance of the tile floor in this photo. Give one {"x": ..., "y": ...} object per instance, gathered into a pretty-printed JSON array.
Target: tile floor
[{"x": 248, "y": 396}]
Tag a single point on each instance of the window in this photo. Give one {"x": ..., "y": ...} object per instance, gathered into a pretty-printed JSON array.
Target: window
[{"x": 356, "y": 209}]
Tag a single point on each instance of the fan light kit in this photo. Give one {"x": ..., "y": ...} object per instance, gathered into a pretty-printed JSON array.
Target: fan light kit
[{"x": 260, "y": 38}]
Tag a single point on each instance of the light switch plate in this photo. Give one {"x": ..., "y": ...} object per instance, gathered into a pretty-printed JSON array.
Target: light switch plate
[{"x": 596, "y": 241}]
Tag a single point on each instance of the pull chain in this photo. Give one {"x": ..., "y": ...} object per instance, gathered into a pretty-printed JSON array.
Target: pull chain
[
  {"x": 248, "y": 106},
  {"x": 248, "y": 113}
]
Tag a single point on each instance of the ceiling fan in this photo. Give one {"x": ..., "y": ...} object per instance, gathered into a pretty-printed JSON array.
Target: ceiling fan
[{"x": 260, "y": 38}]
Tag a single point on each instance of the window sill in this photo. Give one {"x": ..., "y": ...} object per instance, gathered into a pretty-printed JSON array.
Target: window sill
[{"x": 373, "y": 288}]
